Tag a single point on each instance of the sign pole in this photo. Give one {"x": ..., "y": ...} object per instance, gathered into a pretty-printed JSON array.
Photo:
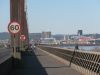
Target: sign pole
[
  {"x": 23, "y": 38},
  {"x": 14, "y": 28},
  {"x": 22, "y": 46},
  {"x": 14, "y": 47}
]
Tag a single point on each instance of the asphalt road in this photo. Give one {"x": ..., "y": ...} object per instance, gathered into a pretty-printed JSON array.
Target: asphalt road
[
  {"x": 53, "y": 66},
  {"x": 5, "y": 54},
  {"x": 40, "y": 63}
]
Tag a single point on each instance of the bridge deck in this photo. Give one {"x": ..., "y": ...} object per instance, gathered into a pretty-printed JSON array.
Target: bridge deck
[{"x": 40, "y": 63}]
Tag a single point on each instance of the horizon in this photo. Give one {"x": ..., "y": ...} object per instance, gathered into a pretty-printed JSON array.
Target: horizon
[{"x": 57, "y": 33}]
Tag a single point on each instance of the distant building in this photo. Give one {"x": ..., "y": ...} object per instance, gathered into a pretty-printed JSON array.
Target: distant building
[
  {"x": 35, "y": 37},
  {"x": 80, "y": 33},
  {"x": 84, "y": 40},
  {"x": 46, "y": 34},
  {"x": 48, "y": 41},
  {"x": 94, "y": 41},
  {"x": 58, "y": 36}
]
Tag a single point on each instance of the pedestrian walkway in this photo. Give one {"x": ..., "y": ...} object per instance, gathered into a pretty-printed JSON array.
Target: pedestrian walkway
[{"x": 40, "y": 63}]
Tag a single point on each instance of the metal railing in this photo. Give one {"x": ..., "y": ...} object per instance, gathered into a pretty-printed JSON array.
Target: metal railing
[{"x": 87, "y": 60}]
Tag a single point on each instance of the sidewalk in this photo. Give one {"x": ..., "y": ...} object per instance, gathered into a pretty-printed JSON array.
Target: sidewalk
[{"x": 39, "y": 63}]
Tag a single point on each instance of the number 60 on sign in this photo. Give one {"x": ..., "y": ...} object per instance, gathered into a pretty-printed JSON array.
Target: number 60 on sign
[{"x": 14, "y": 27}]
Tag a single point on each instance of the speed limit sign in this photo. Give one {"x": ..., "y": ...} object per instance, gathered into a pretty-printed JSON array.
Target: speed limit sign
[
  {"x": 23, "y": 37},
  {"x": 14, "y": 27}
]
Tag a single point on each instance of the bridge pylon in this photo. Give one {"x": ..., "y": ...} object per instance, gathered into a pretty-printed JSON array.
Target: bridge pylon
[{"x": 18, "y": 13}]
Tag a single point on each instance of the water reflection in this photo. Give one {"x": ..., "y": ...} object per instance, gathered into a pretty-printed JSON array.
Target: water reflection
[{"x": 85, "y": 48}]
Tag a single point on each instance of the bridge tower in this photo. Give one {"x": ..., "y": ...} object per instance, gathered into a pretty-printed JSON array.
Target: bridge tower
[{"x": 18, "y": 13}]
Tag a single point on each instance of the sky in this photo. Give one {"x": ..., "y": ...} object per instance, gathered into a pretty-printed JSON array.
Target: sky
[{"x": 57, "y": 16}]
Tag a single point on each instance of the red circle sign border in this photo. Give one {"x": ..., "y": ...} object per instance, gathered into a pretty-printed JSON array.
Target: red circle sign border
[
  {"x": 21, "y": 38},
  {"x": 14, "y": 22}
]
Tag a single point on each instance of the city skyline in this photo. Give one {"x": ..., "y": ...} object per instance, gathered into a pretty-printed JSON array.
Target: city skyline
[{"x": 57, "y": 16}]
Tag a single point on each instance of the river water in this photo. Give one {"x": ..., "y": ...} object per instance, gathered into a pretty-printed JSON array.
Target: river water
[{"x": 85, "y": 48}]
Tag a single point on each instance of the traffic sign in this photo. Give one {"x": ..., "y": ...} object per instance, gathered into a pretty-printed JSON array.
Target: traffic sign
[
  {"x": 23, "y": 37},
  {"x": 14, "y": 27}
]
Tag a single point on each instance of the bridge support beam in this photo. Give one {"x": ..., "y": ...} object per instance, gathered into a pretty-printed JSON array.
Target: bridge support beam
[{"x": 18, "y": 13}]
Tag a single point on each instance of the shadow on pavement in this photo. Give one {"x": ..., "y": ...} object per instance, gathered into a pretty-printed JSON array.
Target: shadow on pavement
[
  {"x": 28, "y": 65},
  {"x": 6, "y": 66}
]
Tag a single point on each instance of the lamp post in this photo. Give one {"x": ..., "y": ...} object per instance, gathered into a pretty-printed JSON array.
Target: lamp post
[{"x": 76, "y": 48}]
